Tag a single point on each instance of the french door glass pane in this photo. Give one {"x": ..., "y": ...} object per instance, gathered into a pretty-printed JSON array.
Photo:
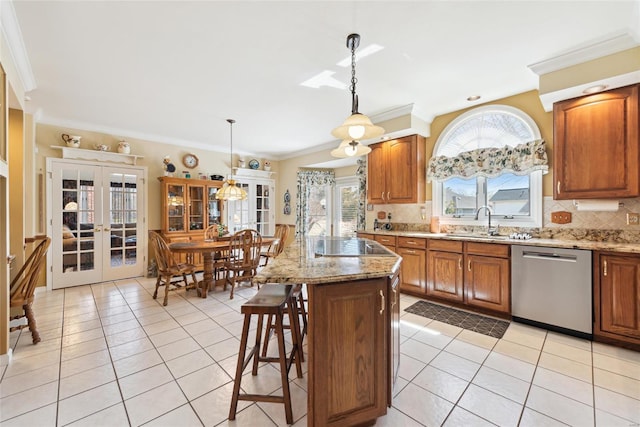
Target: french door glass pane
[
  {"x": 347, "y": 218},
  {"x": 459, "y": 196},
  {"x": 508, "y": 194},
  {"x": 262, "y": 208},
  {"x": 123, "y": 193},
  {"x": 318, "y": 212},
  {"x": 78, "y": 213}
]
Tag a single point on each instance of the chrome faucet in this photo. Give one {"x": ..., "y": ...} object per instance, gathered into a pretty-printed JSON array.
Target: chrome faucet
[{"x": 490, "y": 231}]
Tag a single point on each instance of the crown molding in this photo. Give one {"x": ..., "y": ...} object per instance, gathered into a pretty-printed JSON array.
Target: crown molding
[
  {"x": 13, "y": 36},
  {"x": 597, "y": 49}
]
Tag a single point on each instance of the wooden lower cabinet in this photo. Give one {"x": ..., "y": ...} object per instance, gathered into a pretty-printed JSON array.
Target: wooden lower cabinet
[
  {"x": 394, "y": 335},
  {"x": 445, "y": 279},
  {"x": 414, "y": 261},
  {"x": 388, "y": 242},
  {"x": 486, "y": 282},
  {"x": 617, "y": 297},
  {"x": 349, "y": 350},
  {"x": 474, "y": 274}
]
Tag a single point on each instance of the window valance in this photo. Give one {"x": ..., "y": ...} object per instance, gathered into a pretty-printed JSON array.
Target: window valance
[{"x": 521, "y": 159}]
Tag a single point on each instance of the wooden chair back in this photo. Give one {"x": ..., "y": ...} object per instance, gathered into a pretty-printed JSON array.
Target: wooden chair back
[
  {"x": 164, "y": 257},
  {"x": 244, "y": 251},
  {"x": 24, "y": 284},
  {"x": 282, "y": 234}
]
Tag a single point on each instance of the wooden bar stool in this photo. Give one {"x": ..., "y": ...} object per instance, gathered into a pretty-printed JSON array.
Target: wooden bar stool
[
  {"x": 300, "y": 310},
  {"x": 270, "y": 300}
]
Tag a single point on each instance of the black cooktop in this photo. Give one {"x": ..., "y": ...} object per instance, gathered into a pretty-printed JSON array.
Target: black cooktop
[{"x": 349, "y": 247}]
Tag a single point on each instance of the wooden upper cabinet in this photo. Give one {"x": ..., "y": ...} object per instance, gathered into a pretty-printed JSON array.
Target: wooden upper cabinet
[
  {"x": 396, "y": 171},
  {"x": 596, "y": 146}
]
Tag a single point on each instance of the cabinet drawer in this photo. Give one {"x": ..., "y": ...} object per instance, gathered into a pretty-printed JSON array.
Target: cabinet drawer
[
  {"x": 412, "y": 242},
  {"x": 445, "y": 245},
  {"x": 489, "y": 249},
  {"x": 385, "y": 240},
  {"x": 365, "y": 236}
]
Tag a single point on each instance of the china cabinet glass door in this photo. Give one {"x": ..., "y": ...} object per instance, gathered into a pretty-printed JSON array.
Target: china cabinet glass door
[
  {"x": 175, "y": 211},
  {"x": 196, "y": 208},
  {"x": 213, "y": 206}
]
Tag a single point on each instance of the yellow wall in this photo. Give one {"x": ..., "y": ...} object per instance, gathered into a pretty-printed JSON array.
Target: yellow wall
[
  {"x": 16, "y": 188},
  {"x": 210, "y": 162}
]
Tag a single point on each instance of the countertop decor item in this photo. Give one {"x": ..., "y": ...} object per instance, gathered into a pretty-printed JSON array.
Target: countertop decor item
[
  {"x": 101, "y": 147},
  {"x": 72, "y": 141},
  {"x": 231, "y": 191},
  {"x": 254, "y": 164},
  {"x": 357, "y": 126}
]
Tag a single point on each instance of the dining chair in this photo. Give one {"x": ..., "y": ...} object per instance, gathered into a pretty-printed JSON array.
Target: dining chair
[
  {"x": 274, "y": 249},
  {"x": 23, "y": 287},
  {"x": 244, "y": 256},
  {"x": 168, "y": 267},
  {"x": 212, "y": 233}
]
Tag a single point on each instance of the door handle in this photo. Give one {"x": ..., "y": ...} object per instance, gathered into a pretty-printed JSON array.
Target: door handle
[
  {"x": 558, "y": 187},
  {"x": 605, "y": 268},
  {"x": 382, "y": 196},
  {"x": 388, "y": 196},
  {"x": 469, "y": 265},
  {"x": 459, "y": 263},
  {"x": 381, "y": 302}
]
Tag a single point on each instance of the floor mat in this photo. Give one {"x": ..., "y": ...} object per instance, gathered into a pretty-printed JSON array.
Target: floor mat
[{"x": 474, "y": 322}]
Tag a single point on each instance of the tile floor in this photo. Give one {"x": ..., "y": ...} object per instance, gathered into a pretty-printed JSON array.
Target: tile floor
[{"x": 112, "y": 356}]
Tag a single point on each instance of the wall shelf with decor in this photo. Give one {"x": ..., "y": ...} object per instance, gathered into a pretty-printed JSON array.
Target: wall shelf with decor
[
  {"x": 101, "y": 156},
  {"x": 254, "y": 173}
]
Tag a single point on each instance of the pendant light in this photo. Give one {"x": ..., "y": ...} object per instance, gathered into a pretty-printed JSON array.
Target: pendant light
[
  {"x": 357, "y": 126},
  {"x": 231, "y": 191}
]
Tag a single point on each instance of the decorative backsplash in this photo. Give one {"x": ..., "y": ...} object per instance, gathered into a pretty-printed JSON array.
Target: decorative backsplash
[{"x": 595, "y": 226}]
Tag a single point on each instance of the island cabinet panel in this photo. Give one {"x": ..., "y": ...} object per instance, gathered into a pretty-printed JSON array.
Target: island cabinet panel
[
  {"x": 595, "y": 147},
  {"x": 617, "y": 297},
  {"x": 444, "y": 276},
  {"x": 348, "y": 375},
  {"x": 396, "y": 171},
  {"x": 414, "y": 264},
  {"x": 394, "y": 335},
  {"x": 486, "y": 282}
]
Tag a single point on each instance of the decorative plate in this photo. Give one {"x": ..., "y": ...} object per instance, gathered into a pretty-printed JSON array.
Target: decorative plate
[
  {"x": 254, "y": 164},
  {"x": 287, "y": 197}
]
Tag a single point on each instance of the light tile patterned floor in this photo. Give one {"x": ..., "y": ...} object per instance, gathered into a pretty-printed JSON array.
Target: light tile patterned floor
[{"x": 113, "y": 356}]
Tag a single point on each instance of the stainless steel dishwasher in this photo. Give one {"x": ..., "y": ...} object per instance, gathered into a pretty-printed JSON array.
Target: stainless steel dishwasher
[{"x": 551, "y": 288}]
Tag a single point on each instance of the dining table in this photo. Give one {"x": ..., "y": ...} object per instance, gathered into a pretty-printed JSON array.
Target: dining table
[{"x": 208, "y": 248}]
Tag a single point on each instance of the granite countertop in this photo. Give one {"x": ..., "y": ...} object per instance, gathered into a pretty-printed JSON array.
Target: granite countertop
[
  {"x": 591, "y": 245},
  {"x": 298, "y": 264}
]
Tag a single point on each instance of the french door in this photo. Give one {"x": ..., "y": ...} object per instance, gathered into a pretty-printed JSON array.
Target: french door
[
  {"x": 256, "y": 211},
  {"x": 333, "y": 209},
  {"x": 97, "y": 222}
]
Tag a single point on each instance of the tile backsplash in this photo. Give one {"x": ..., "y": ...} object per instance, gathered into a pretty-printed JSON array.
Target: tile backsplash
[{"x": 591, "y": 225}]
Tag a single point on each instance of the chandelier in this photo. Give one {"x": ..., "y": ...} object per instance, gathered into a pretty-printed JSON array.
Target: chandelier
[{"x": 231, "y": 191}]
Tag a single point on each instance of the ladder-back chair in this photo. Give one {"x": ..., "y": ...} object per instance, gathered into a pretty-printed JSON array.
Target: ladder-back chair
[
  {"x": 244, "y": 256},
  {"x": 168, "y": 267},
  {"x": 282, "y": 234}
]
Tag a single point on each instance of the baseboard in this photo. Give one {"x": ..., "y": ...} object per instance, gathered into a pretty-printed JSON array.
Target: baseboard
[{"x": 5, "y": 359}]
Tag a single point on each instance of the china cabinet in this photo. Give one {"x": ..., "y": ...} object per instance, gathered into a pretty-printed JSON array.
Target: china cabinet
[{"x": 189, "y": 206}]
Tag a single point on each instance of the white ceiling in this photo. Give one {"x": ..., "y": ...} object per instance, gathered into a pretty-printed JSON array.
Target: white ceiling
[{"x": 173, "y": 71}]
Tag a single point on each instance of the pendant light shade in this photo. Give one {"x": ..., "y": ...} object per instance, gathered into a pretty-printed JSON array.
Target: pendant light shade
[
  {"x": 230, "y": 191},
  {"x": 350, "y": 149},
  {"x": 357, "y": 126}
]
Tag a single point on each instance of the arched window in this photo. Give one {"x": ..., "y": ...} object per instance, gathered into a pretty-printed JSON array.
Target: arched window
[{"x": 487, "y": 157}]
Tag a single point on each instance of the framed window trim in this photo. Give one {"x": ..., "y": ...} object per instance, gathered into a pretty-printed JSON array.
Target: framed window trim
[{"x": 535, "y": 217}]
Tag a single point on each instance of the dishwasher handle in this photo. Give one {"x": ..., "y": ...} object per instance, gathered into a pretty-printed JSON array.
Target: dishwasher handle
[{"x": 549, "y": 256}]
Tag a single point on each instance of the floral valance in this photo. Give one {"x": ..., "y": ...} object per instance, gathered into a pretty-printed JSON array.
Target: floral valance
[{"x": 519, "y": 160}]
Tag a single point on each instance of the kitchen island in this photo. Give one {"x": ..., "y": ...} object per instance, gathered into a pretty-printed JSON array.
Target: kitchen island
[{"x": 354, "y": 338}]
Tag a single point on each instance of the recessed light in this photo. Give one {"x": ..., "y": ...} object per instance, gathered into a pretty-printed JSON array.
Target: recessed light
[
  {"x": 473, "y": 98},
  {"x": 594, "y": 89}
]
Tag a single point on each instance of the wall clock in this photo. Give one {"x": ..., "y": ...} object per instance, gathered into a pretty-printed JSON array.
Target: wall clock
[{"x": 190, "y": 160}]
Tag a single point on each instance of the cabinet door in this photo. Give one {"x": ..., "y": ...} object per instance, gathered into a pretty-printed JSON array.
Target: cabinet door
[
  {"x": 174, "y": 205},
  {"x": 619, "y": 296},
  {"x": 348, "y": 336},
  {"x": 486, "y": 283},
  {"x": 376, "y": 174},
  {"x": 414, "y": 270},
  {"x": 444, "y": 275},
  {"x": 196, "y": 207},
  {"x": 214, "y": 206},
  {"x": 596, "y": 146},
  {"x": 401, "y": 171}
]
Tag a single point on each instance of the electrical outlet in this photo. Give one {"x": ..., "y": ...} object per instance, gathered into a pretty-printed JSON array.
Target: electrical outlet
[{"x": 633, "y": 218}]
